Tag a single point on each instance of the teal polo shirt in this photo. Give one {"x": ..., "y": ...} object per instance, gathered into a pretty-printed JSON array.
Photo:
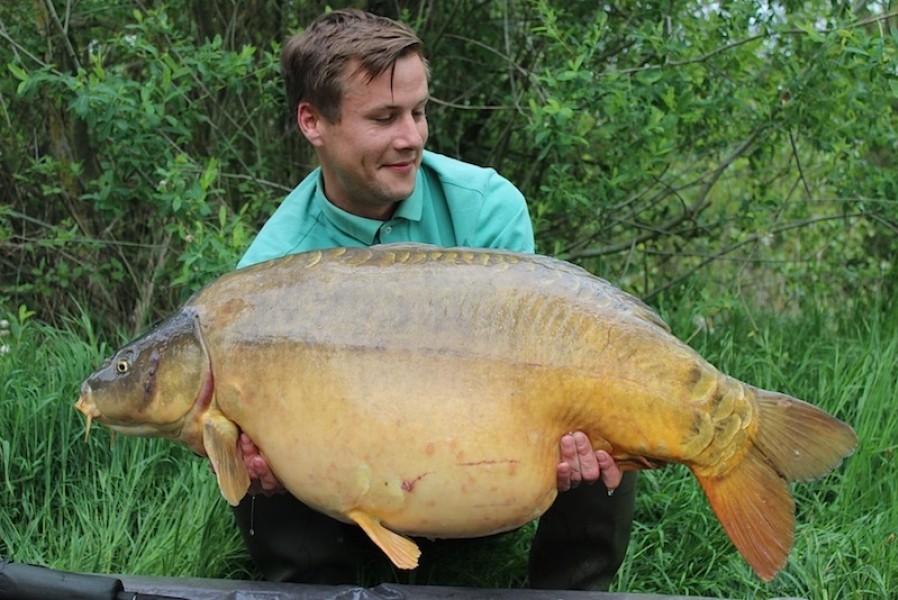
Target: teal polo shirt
[{"x": 453, "y": 204}]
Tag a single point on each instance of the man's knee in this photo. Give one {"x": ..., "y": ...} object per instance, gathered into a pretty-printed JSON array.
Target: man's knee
[
  {"x": 582, "y": 539},
  {"x": 288, "y": 541}
]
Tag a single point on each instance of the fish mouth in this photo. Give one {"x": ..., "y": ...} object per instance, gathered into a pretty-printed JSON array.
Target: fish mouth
[{"x": 87, "y": 407}]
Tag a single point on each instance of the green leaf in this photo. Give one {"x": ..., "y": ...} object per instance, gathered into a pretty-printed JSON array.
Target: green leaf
[
  {"x": 18, "y": 72},
  {"x": 893, "y": 85},
  {"x": 209, "y": 174}
]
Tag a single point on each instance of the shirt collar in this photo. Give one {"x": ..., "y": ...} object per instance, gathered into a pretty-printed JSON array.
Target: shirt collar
[
  {"x": 412, "y": 207},
  {"x": 363, "y": 229}
]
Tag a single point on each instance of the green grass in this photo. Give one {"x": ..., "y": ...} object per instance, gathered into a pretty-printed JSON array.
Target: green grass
[
  {"x": 139, "y": 506},
  {"x": 149, "y": 507}
]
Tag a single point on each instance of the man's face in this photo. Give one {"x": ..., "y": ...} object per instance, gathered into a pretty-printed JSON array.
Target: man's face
[{"x": 370, "y": 158}]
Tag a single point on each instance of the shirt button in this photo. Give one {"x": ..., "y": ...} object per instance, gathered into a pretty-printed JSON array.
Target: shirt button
[{"x": 386, "y": 229}]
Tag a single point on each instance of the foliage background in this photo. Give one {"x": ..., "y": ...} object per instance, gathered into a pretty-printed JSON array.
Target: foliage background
[
  {"x": 750, "y": 142},
  {"x": 715, "y": 158}
]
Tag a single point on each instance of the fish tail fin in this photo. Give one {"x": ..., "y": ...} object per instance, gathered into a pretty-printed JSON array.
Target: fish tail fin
[
  {"x": 755, "y": 507},
  {"x": 802, "y": 441},
  {"x": 794, "y": 441}
]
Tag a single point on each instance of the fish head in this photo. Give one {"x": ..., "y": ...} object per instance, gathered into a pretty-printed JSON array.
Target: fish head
[{"x": 154, "y": 386}]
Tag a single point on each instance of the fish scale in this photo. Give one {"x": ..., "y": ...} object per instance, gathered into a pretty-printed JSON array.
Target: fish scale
[{"x": 449, "y": 375}]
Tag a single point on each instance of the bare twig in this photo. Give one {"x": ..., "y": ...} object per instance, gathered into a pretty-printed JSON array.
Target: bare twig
[
  {"x": 18, "y": 48},
  {"x": 804, "y": 181},
  {"x": 754, "y": 38},
  {"x": 63, "y": 32},
  {"x": 887, "y": 223},
  {"x": 449, "y": 104},
  {"x": 749, "y": 240},
  {"x": 700, "y": 203},
  {"x": 507, "y": 59}
]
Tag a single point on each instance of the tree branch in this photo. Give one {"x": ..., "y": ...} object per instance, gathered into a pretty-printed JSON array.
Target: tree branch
[
  {"x": 749, "y": 240},
  {"x": 700, "y": 203},
  {"x": 754, "y": 38}
]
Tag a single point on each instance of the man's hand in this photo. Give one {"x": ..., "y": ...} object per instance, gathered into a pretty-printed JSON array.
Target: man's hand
[
  {"x": 262, "y": 480},
  {"x": 580, "y": 463}
]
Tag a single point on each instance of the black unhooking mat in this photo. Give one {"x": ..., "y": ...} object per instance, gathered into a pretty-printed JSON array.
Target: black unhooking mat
[{"x": 28, "y": 582}]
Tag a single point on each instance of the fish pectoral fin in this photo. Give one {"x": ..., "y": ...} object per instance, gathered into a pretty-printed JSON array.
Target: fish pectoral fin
[
  {"x": 220, "y": 441},
  {"x": 636, "y": 462},
  {"x": 401, "y": 550}
]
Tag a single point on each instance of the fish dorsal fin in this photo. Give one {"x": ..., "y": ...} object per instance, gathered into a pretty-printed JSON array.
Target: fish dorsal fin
[
  {"x": 401, "y": 550},
  {"x": 220, "y": 441}
]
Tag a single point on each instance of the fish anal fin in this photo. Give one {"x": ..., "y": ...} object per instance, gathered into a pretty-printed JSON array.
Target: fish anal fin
[
  {"x": 220, "y": 441},
  {"x": 755, "y": 507},
  {"x": 401, "y": 550}
]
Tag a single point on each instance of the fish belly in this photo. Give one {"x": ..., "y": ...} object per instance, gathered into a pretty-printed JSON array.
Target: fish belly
[{"x": 439, "y": 446}]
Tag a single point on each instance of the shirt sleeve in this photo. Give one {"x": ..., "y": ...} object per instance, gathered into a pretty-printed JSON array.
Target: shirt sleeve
[
  {"x": 272, "y": 241},
  {"x": 504, "y": 221},
  {"x": 284, "y": 231}
]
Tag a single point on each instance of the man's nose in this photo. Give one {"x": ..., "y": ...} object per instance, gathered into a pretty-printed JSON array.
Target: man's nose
[{"x": 410, "y": 132}]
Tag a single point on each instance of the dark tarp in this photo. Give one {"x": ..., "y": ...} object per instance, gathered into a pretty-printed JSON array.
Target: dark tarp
[
  {"x": 219, "y": 589},
  {"x": 29, "y": 582}
]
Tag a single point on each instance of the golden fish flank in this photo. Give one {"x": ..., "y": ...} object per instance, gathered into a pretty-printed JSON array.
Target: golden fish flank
[{"x": 420, "y": 358}]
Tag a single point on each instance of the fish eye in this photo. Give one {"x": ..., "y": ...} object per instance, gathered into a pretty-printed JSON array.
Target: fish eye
[{"x": 122, "y": 366}]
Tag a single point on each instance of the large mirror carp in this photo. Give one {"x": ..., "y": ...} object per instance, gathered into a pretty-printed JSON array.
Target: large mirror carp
[{"x": 422, "y": 391}]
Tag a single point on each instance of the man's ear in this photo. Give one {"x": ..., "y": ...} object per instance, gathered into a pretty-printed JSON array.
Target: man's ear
[{"x": 309, "y": 120}]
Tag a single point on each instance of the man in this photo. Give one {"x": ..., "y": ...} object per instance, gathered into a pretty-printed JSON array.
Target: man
[{"x": 358, "y": 87}]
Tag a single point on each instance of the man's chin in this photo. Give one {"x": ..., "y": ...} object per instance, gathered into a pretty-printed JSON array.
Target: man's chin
[{"x": 399, "y": 191}]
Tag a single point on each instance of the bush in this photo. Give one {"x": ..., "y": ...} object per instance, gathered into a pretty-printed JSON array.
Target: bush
[{"x": 748, "y": 142}]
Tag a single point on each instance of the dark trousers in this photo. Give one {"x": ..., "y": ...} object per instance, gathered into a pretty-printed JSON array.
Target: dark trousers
[{"x": 579, "y": 543}]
